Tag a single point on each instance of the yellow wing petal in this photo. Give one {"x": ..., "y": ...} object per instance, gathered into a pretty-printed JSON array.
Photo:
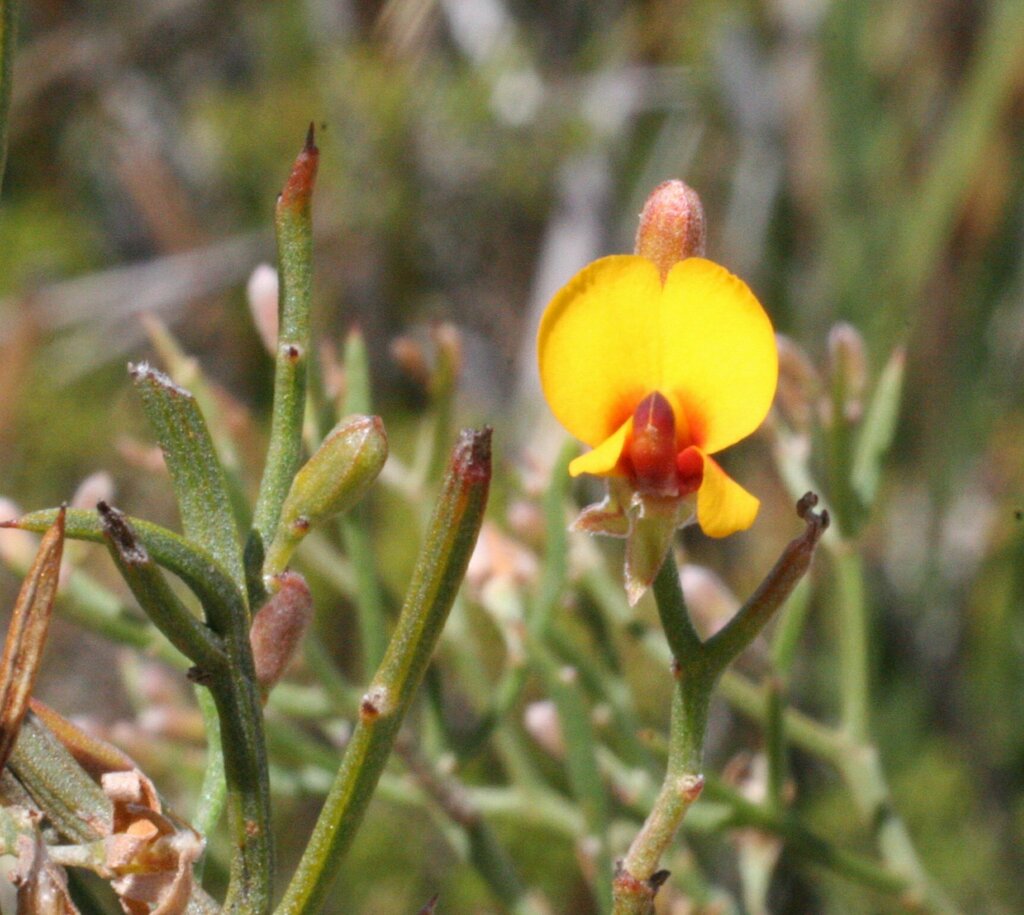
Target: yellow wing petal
[
  {"x": 720, "y": 357},
  {"x": 598, "y": 347},
  {"x": 603, "y": 460},
  {"x": 723, "y": 506}
]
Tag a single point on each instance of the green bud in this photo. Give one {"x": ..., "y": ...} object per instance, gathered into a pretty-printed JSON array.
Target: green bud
[{"x": 334, "y": 479}]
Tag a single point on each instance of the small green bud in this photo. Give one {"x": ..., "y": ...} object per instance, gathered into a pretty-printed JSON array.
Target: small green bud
[{"x": 334, "y": 479}]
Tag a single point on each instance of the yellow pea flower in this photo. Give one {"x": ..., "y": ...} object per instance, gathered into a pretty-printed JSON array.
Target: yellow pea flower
[
  {"x": 658, "y": 366},
  {"x": 658, "y": 376}
]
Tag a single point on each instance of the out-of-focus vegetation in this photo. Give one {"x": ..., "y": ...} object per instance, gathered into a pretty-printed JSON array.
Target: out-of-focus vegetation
[{"x": 859, "y": 161}]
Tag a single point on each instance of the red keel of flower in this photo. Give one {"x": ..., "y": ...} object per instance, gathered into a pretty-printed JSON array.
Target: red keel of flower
[
  {"x": 654, "y": 467},
  {"x": 651, "y": 450},
  {"x": 690, "y": 464}
]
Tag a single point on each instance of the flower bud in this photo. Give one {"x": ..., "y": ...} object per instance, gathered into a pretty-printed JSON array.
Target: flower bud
[
  {"x": 17, "y": 548},
  {"x": 278, "y": 628},
  {"x": 408, "y": 354},
  {"x": 848, "y": 368},
  {"x": 262, "y": 292},
  {"x": 672, "y": 226},
  {"x": 334, "y": 479},
  {"x": 541, "y": 721},
  {"x": 95, "y": 488},
  {"x": 448, "y": 357},
  {"x": 799, "y": 384}
]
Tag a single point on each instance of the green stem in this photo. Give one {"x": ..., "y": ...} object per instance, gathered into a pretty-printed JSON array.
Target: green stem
[
  {"x": 8, "y": 40},
  {"x": 683, "y": 640},
  {"x": 355, "y": 525},
  {"x": 294, "y": 227},
  {"x": 486, "y": 853},
  {"x": 638, "y": 878},
  {"x": 775, "y": 744},
  {"x": 373, "y": 629},
  {"x": 213, "y": 793},
  {"x": 183, "y": 630},
  {"x": 806, "y": 844},
  {"x": 862, "y": 770},
  {"x": 853, "y": 642},
  {"x": 224, "y": 663},
  {"x": 436, "y": 578},
  {"x": 581, "y": 761}
]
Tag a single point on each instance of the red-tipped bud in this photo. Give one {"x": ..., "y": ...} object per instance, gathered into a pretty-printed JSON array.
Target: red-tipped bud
[
  {"x": 652, "y": 447},
  {"x": 298, "y": 189},
  {"x": 279, "y": 626},
  {"x": 672, "y": 226}
]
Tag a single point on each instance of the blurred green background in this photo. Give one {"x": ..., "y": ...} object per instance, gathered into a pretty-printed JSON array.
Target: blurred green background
[{"x": 859, "y": 160}]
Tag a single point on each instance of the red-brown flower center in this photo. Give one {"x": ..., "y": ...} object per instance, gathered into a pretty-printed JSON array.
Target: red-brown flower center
[{"x": 654, "y": 466}]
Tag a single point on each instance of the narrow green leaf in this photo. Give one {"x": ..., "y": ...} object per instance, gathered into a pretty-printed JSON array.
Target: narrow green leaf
[
  {"x": 198, "y": 477},
  {"x": 191, "y": 563},
  {"x": 355, "y": 525},
  {"x": 294, "y": 226},
  {"x": 727, "y": 644},
  {"x": 185, "y": 370},
  {"x": 71, "y": 800},
  {"x": 439, "y": 571},
  {"x": 879, "y": 427},
  {"x": 183, "y": 630}
]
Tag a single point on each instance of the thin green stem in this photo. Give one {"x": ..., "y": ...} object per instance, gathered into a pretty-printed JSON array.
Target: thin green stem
[
  {"x": 373, "y": 628},
  {"x": 638, "y": 877},
  {"x": 584, "y": 774},
  {"x": 811, "y": 736},
  {"x": 683, "y": 640},
  {"x": 294, "y": 226},
  {"x": 224, "y": 663},
  {"x": 213, "y": 793},
  {"x": 806, "y": 844},
  {"x": 853, "y": 643},
  {"x": 164, "y": 608},
  {"x": 775, "y": 743},
  {"x": 436, "y": 578}
]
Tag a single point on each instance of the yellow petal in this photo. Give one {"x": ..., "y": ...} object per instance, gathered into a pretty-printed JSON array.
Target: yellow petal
[
  {"x": 599, "y": 349},
  {"x": 723, "y": 506},
  {"x": 602, "y": 461},
  {"x": 720, "y": 359}
]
